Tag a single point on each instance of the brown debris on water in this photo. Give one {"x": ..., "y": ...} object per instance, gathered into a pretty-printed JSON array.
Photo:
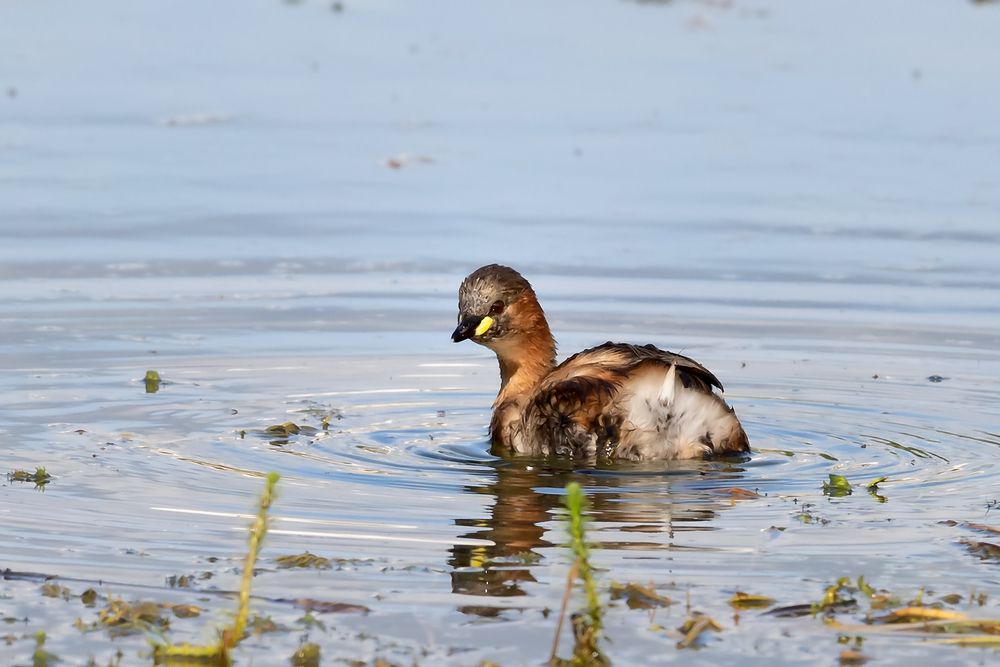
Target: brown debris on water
[
  {"x": 121, "y": 618},
  {"x": 405, "y": 159},
  {"x": 328, "y": 607},
  {"x": 186, "y": 610},
  {"x": 54, "y": 590},
  {"x": 736, "y": 493},
  {"x": 984, "y": 550},
  {"x": 741, "y": 600},
  {"x": 694, "y": 627},
  {"x": 285, "y": 429},
  {"x": 303, "y": 560},
  {"x": 850, "y": 656},
  {"x": 637, "y": 596}
]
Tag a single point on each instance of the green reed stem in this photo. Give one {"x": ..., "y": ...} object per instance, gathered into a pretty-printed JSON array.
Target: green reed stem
[
  {"x": 587, "y": 626},
  {"x": 218, "y": 654},
  {"x": 257, "y": 533}
]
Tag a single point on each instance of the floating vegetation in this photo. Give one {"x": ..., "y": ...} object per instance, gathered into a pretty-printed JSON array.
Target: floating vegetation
[
  {"x": 219, "y": 653},
  {"x": 186, "y": 610},
  {"x": 185, "y": 580},
  {"x": 837, "y": 487},
  {"x": 152, "y": 381},
  {"x": 54, "y": 590},
  {"x": 742, "y": 600},
  {"x": 637, "y": 596},
  {"x": 303, "y": 560},
  {"x": 873, "y": 489},
  {"x": 285, "y": 429},
  {"x": 984, "y": 550},
  {"x": 41, "y": 657},
  {"x": 806, "y": 515},
  {"x": 306, "y": 656},
  {"x": 121, "y": 618},
  {"x": 587, "y": 625},
  {"x": 912, "y": 614},
  {"x": 851, "y": 656},
  {"x": 837, "y": 597},
  {"x": 39, "y": 477},
  {"x": 914, "y": 617},
  {"x": 261, "y": 625},
  {"x": 324, "y": 413},
  {"x": 694, "y": 627},
  {"x": 873, "y": 485},
  {"x": 280, "y": 434},
  {"x": 983, "y": 528},
  {"x": 309, "y": 606},
  {"x": 988, "y": 551}
]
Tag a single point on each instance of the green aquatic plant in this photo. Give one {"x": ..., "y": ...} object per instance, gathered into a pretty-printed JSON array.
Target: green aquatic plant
[
  {"x": 219, "y": 653},
  {"x": 303, "y": 560},
  {"x": 306, "y": 656},
  {"x": 588, "y": 624},
  {"x": 873, "y": 489},
  {"x": 152, "y": 380},
  {"x": 838, "y": 486},
  {"x": 741, "y": 600},
  {"x": 835, "y": 596},
  {"x": 39, "y": 477},
  {"x": 40, "y": 657}
]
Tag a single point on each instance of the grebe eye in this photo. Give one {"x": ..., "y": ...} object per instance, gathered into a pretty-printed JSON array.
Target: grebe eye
[{"x": 496, "y": 308}]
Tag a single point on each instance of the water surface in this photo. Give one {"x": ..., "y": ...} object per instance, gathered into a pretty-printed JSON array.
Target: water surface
[{"x": 273, "y": 204}]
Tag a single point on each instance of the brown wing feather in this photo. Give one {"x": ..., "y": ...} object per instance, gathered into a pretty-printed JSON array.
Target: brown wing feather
[
  {"x": 576, "y": 409},
  {"x": 624, "y": 356}
]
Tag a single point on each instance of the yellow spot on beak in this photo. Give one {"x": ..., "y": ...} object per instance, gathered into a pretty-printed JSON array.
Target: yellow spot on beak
[{"x": 484, "y": 325}]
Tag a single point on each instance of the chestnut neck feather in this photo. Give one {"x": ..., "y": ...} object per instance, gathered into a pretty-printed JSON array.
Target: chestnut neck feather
[{"x": 530, "y": 353}]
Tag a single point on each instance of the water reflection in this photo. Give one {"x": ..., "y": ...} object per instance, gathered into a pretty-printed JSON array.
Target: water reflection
[{"x": 653, "y": 502}]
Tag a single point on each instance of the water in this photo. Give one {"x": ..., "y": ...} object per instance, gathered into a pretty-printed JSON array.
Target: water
[{"x": 802, "y": 198}]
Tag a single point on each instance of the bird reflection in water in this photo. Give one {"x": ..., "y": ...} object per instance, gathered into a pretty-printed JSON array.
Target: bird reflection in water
[{"x": 651, "y": 501}]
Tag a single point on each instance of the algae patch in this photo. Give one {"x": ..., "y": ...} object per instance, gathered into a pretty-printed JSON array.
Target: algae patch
[
  {"x": 303, "y": 560},
  {"x": 40, "y": 477},
  {"x": 152, "y": 381}
]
